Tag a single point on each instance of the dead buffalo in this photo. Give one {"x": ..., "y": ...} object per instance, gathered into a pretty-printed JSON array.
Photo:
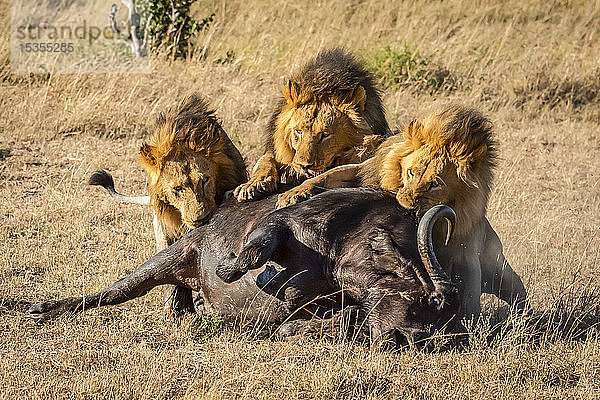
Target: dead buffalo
[{"x": 348, "y": 248}]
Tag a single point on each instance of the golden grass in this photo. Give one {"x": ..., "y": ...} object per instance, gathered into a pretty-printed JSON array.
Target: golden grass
[{"x": 532, "y": 67}]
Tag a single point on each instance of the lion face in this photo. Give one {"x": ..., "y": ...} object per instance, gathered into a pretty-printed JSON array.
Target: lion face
[
  {"x": 187, "y": 182},
  {"x": 447, "y": 158},
  {"x": 319, "y": 134},
  {"x": 313, "y": 134},
  {"x": 183, "y": 182},
  {"x": 427, "y": 180}
]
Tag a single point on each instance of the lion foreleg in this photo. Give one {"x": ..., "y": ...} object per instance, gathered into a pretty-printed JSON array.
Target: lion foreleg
[
  {"x": 262, "y": 182},
  {"x": 159, "y": 233},
  {"x": 178, "y": 299},
  {"x": 471, "y": 296},
  {"x": 498, "y": 277},
  {"x": 339, "y": 177}
]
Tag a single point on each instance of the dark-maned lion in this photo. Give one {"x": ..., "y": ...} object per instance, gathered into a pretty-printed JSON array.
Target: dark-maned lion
[
  {"x": 447, "y": 158},
  {"x": 330, "y": 114},
  {"x": 191, "y": 163}
]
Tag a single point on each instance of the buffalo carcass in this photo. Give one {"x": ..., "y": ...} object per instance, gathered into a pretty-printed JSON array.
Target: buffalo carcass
[{"x": 352, "y": 248}]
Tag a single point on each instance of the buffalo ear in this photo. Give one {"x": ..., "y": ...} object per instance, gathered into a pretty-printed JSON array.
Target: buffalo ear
[
  {"x": 148, "y": 156},
  {"x": 260, "y": 246},
  {"x": 291, "y": 92}
]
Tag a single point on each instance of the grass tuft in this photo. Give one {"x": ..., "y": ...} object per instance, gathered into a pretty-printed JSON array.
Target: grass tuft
[
  {"x": 406, "y": 68},
  {"x": 206, "y": 326},
  {"x": 546, "y": 90},
  {"x": 5, "y": 152}
]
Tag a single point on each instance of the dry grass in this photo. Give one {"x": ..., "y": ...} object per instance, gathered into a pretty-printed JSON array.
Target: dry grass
[{"x": 533, "y": 67}]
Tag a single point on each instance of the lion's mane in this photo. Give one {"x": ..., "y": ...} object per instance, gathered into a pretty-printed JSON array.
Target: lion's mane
[{"x": 190, "y": 126}]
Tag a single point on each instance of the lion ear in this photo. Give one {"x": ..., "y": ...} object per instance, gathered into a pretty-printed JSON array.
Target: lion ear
[
  {"x": 148, "y": 156},
  {"x": 358, "y": 98},
  {"x": 466, "y": 175},
  {"x": 291, "y": 92},
  {"x": 413, "y": 130},
  {"x": 466, "y": 165},
  {"x": 353, "y": 103}
]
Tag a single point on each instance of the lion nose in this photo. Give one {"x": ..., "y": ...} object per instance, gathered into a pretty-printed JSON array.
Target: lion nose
[
  {"x": 197, "y": 220},
  {"x": 306, "y": 164}
]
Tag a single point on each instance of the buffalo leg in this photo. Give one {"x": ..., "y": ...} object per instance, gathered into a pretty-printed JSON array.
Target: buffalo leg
[
  {"x": 159, "y": 270},
  {"x": 259, "y": 247}
]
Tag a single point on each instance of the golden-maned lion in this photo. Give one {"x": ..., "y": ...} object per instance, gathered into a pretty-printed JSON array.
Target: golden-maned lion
[
  {"x": 447, "y": 158},
  {"x": 191, "y": 163},
  {"x": 330, "y": 114}
]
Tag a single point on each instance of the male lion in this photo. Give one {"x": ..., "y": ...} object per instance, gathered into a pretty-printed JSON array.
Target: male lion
[
  {"x": 330, "y": 114},
  {"x": 448, "y": 158},
  {"x": 191, "y": 163}
]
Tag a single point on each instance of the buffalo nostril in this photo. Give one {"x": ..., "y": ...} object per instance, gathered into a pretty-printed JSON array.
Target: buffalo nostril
[
  {"x": 400, "y": 339},
  {"x": 422, "y": 339}
]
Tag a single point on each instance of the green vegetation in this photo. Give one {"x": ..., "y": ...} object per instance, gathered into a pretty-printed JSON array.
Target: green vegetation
[
  {"x": 4, "y": 152},
  {"x": 205, "y": 327},
  {"x": 167, "y": 26},
  {"x": 407, "y": 68}
]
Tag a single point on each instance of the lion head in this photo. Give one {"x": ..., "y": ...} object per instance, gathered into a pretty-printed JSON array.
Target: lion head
[
  {"x": 327, "y": 109},
  {"x": 191, "y": 163},
  {"x": 447, "y": 158}
]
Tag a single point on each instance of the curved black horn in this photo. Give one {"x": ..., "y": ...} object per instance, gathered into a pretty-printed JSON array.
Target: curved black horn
[{"x": 425, "y": 241}]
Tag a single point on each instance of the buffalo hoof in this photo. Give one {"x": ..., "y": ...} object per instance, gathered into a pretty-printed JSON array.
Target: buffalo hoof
[
  {"x": 181, "y": 302},
  {"x": 291, "y": 328},
  {"x": 42, "y": 312}
]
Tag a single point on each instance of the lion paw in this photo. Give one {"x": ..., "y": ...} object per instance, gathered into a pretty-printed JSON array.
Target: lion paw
[
  {"x": 255, "y": 188},
  {"x": 293, "y": 196}
]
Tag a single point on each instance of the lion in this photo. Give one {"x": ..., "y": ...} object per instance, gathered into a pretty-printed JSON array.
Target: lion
[
  {"x": 447, "y": 158},
  {"x": 330, "y": 114},
  {"x": 191, "y": 163}
]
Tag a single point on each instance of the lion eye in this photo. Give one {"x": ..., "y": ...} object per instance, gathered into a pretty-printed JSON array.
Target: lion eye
[
  {"x": 325, "y": 135},
  {"x": 177, "y": 190},
  {"x": 433, "y": 184}
]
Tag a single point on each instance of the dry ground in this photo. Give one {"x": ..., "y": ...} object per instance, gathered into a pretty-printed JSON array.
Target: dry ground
[{"x": 532, "y": 66}]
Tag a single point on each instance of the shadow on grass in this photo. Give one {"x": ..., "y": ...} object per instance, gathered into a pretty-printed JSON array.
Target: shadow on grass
[
  {"x": 569, "y": 316},
  {"x": 8, "y": 305}
]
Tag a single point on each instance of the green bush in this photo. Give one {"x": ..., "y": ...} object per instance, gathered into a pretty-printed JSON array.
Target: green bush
[
  {"x": 167, "y": 26},
  {"x": 4, "y": 152},
  {"x": 407, "y": 68},
  {"x": 205, "y": 327}
]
